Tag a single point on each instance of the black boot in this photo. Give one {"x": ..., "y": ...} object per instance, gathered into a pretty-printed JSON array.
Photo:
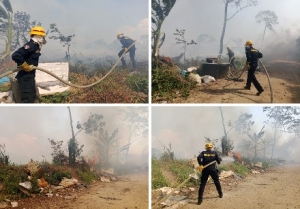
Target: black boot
[
  {"x": 199, "y": 200},
  {"x": 220, "y": 194}
]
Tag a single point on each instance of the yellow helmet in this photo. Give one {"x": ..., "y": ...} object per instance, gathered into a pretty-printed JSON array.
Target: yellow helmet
[
  {"x": 249, "y": 43},
  {"x": 228, "y": 47},
  {"x": 208, "y": 146},
  {"x": 37, "y": 30},
  {"x": 119, "y": 35}
]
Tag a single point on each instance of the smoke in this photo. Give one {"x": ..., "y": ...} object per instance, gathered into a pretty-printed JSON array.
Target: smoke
[{"x": 185, "y": 128}]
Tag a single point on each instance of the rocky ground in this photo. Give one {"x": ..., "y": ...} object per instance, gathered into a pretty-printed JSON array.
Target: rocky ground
[
  {"x": 129, "y": 192},
  {"x": 276, "y": 188}
]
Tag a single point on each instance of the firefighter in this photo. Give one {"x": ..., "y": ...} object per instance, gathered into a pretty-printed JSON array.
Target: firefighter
[
  {"x": 26, "y": 58},
  {"x": 126, "y": 42},
  {"x": 231, "y": 57},
  {"x": 252, "y": 55},
  {"x": 203, "y": 159}
]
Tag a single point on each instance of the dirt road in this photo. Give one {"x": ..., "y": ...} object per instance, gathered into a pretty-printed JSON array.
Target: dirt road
[
  {"x": 277, "y": 188},
  {"x": 130, "y": 192},
  {"x": 285, "y": 76}
]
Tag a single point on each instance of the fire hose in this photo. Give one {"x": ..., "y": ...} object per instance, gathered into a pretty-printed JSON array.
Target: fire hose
[
  {"x": 244, "y": 69},
  {"x": 183, "y": 183},
  {"x": 66, "y": 82}
]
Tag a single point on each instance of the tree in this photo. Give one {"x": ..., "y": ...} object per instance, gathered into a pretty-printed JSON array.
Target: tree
[
  {"x": 282, "y": 119},
  {"x": 73, "y": 146},
  {"x": 181, "y": 40},
  {"x": 6, "y": 28},
  {"x": 160, "y": 10},
  {"x": 136, "y": 119},
  {"x": 239, "y": 6},
  {"x": 4, "y": 158},
  {"x": 58, "y": 155},
  {"x": 241, "y": 125},
  {"x": 269, "y": 18},
  {"x": 254, "y": 143},
  {"x": 106, "y": 144},
  {"x": 65, "y": 40}
]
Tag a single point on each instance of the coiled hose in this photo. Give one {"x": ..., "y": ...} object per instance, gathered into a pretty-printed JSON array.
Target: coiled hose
[{"x": 66, "y": 82}]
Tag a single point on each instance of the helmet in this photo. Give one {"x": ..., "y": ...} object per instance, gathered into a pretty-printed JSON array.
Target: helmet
[
  {"x": 119, "y": 35},
  {"x": 208, "y": 146},
  {"x": 228, "y": 47},
  {"x": 37, "y": 30},
  {"x": 249, "y": 43}
]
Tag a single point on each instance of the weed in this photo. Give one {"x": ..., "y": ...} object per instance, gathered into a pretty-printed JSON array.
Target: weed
[
  {"x": 86, "y": 176},
  {"x": 239, "y": 168},
  {"x": 56, "y": 98},
  {"x": 137, "y": 83},
  {"x": 181, "y": 169},
  {"x": 157, "y": 177}
]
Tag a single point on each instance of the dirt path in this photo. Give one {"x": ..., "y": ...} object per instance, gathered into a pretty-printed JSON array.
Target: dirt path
[
  {"x": 277, "y": 188},
  {"x": 285, "y": 76},
  {"x": 130, "y": 192}
]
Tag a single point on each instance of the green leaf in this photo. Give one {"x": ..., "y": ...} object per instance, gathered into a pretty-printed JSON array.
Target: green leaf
[
  {"x": 7, "y": 5},
  {"x": 3, "y": 13}
]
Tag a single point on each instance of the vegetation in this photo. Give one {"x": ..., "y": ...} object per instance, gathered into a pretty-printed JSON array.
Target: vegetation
[
  {"x": 160, "y": 10},
  {"x": 180, "y": 39},
  {"x": 269, "y": 18}
]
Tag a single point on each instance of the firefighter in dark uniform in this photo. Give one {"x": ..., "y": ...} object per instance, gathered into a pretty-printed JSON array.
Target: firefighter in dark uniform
[
  {"x": 26, "y": 58},
  {"x": 231, "y": 57},
  {"x": 252, "y": 55},
  {"x": 205, "y": 158},
  {"x": 126, "y": 42}
]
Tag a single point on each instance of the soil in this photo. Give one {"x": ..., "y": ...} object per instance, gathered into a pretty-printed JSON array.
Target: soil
[
  {"x": 284, "y": 78},
  {"x": 276, "y": 188},
  {"x": 129, "y": 192}
]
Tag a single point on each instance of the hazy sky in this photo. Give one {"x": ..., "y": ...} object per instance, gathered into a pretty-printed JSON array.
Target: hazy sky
[
  {"x": 25, "y": 130},
  {"x": 186, "y": 128},
  {"x": 90, "y": 21},
  {"x": 206, "y": 17}
]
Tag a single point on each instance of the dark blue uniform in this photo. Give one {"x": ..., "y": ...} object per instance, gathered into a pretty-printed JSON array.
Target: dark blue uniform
[
  {"x": 126, "y": 42},
  {"x": 205, "y": 158},
  {"x": 252, "y": 59},
  {"x": 231, "y": 55},
  {"x": 29, "y": 53}
]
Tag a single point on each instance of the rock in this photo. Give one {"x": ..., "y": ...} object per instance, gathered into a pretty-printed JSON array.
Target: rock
[{"x": 14, "y": 204}]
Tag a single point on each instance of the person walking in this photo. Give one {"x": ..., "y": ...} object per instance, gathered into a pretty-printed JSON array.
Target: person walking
[{"x": 252, "y": 55}]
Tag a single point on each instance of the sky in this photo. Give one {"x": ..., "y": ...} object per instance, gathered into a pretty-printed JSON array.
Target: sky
[
  {"x": 206, "y": 17},
  {"x": 90, "y": 21},
  {"x": 25, "y": 130},
  {"x": 186, "y": 128}
]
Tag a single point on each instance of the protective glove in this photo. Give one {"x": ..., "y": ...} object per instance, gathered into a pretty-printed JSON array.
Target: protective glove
[
  {"x": 200, "y": 168},
  {"x": 247, "y": 66},
  {"x": 126, "y": 50},
  {"x": 26, "y": 67}
]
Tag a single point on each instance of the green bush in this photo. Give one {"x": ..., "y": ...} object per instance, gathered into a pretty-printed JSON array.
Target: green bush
[
  {"x": 181, "y": 169},
  {"x": 86, "y": 176},
  {"x": 167, "y": 82},
  {"x": 138, "y": 83},
  {"x": 239, "y": 168}
]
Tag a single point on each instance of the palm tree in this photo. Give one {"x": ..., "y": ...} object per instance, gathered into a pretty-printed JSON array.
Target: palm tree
[{"x": 6, "y": 27}]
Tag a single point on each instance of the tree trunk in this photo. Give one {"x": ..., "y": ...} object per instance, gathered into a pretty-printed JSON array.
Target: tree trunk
[
  {"x": 262, "y": 42},
  {"x": 157, "y": 38},
  {"x": 223, "y": 30},
  {"x": 225, "y": 133},
  {"x": 71, "y": 146}
]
